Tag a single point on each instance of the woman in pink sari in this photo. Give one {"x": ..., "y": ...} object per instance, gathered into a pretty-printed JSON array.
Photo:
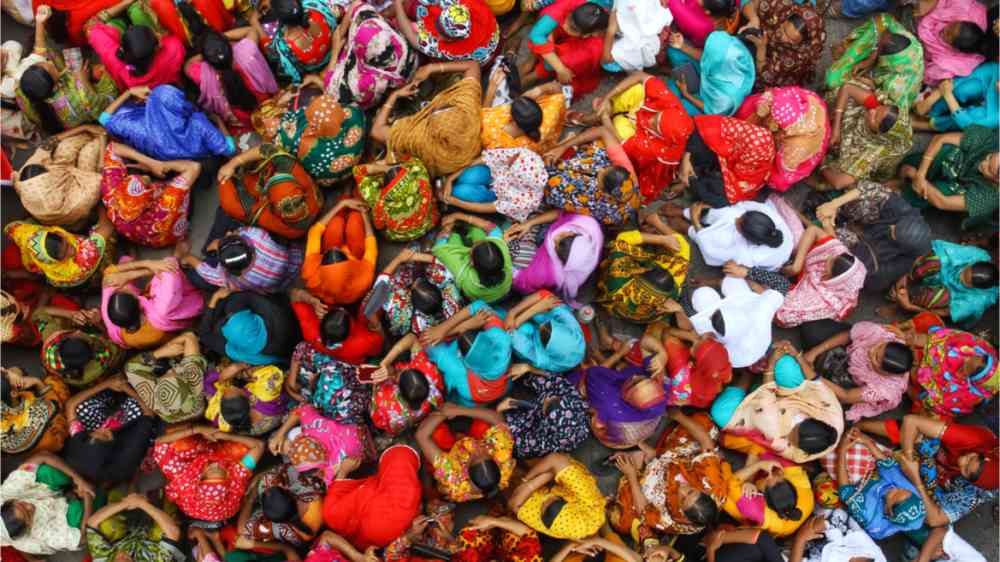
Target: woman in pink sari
[
  {"x": 570, "y": 253},
  {"x": 798, "y": 118},
  {"x": 311, "y": 441},
  {"x": 949, "y": 50},
  {"x": 142, "y": 319}
]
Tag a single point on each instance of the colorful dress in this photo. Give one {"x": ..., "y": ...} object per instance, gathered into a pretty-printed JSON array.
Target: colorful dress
[
  {"x": 390, "y": 413},
  {"x": 69, "y": 189},
  {"x": 479, "y": 376},
  {"x": 75, "y": 99},
  {"x": 943, "y": 384},
  {"x": 473, "y": 31},
  {"x": 581, "y": 516},
  {"x": 331, "y": 386},
  {"x": 557, "y": 420},
  {"x": 941, "y": 59},
  {"x": 788, "y": 64},
  {"x": 939, "y": 283},
  {"x": 727, "y": 73},
  {"x": 573, "y": 185},
  {"x": 865, "y": 501},
  {"x": 881, "y": 392},
  {"x": 263, "y": 391},
  {"x": 311, "y": 51},
  {"x": 56, "y": 522},
  {"x": 455, "y": 255},
  {"x": 622, "y": 291},
  {"x": 581, "y": 54},
  {"x": 451, "y": 468},
  {"x": 566, "y": 346},
  {"x": 614, "y": 420},
  {"x": 754, "y": 511},
  {"x": 90, "y": 253},
  {"x": 547, "y": 271},
  {"x": 403, "y": 206},
  {"x": 255, "y": 75},
  {"x": 35, "y": 421},
  {"x": 183, "y": 462},
  {"x": 553, "y": 117},
  {"x": 866, "y": 154},
  {"x": 400, "y": 313},
  {"x": 275, "y": 265},
  {"x": 165, "y": 67},
  {"x": 977, "y": 96},
  {"x": 745, "y": 152},
  {"x": 175, "y": 396},
  {"x": 319, "y": 443},
  {"x": 956, "y": 496},
  {"x": 814, "y": 297},
  {"x": 306, "y": 488},
  {"x": 327, "y": 137},
  {"x": 107, "y": 356}
]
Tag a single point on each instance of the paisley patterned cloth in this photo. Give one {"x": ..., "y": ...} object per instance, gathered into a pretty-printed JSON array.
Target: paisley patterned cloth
[
  {"x": 326, "y": 136},
  {"x": 621, "y": 289}
]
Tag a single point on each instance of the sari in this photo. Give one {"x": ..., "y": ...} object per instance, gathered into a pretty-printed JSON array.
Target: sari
[
  {"x": 278, "y": 194},
  {"x": 457, "y": 257},
  {"x": 77, "y": 15},
  {"x": 331, "y": 385},
  {"x": 623, "y": 292},
  {"x": 403, "y": 206},
  {"x": 165, "y": 68},
  {"x": 479, "y": 376},
  {"x": 696, "y": 25},
  {"x": 305, "y": 488},
  {"x": 747, "y": 316},
  {"x": 802, "y": 119},
  {"x": 814, "y": 297},
  {"x": 897, "y": 76},
  {"x": 881, "y": 392},
  {"x": 573, "y": 185},
  {"x": 547, "y": 271},
  {"x": 168, "y": 127},
  {"x": 55, "y": 525},
  {"x": 295, "y": 58},
  {"x": 400, "y": 314},
  {"x": 251, "y": 328},
  {"x": 938, "y": 276},
  {"x": 390, "y": 413},
  {"x": 445, "y": 133},
  {"x": 556, "y": 419},
  {"x": 866, "y": 154},
  {"x": 36, "y": 422},
  {"x": 326, "y": 136},
  {"x": 256, "y": 76},
  {"x": 70, "y": 188},
  {"x": 787, "y": 64},
  {"x": 727, "y": 73},
  {"x": 746, "y": 154},
  {"x": 941, "y": 384},
  {"x": 107, "y": 357},
  {"x": 174, "y": 396},
  {"x": 76, "y": 99},
  {"x": 476, "y": 31},
  {"x": 942, "y": 60},
  {"x": 321, "y": 444},
  {"x": 566, "y": 346},
  {"x": 977, "y": 97},
  {"x": 90, "y": 253},
  {"x": 553, "y": 118},
  {"x": 375, "y": 59},
  {"x": 216, "y": 14},
  {"x": 263, "y": 391},
  {"x": 615, "y": 422},
  {"x": 183, "y": 462},
  {"x": 695, "y": 375},
  {"x": 865, "y": 501}
]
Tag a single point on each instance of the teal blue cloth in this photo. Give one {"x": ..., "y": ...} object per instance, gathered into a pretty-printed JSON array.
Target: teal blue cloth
[
  {"x": 727, "y": 74},
  {"x": 867, "y": 505},
  {"x": 978, "y": 97},
  {"x": 725, "y": 404},
  {"x": 566, "y": 346},
  {"x": 788, "y": 373},
  {"x": 290, "y": 65},
  {"x": 679, "y": 58},
  {"x": 473, "y": 185},
  {"x": 246, "y": 335},
  {"x": 488, "y": 359},
  {"x": 967, "y": 303}
]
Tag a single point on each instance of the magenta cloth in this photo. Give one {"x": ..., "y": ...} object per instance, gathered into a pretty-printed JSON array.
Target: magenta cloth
[
  {"x": 171, "y": 303},
  {"x": 691, "y": 20},
  {"x": 165, "y": 69},
  {"x": 816, "y": 298},
  {"x": 941, "y": 60},
  {"x": 249, "y": 62},
  {"x": 340, "y": 440},
  {"x": 547, "y": 272},
  {"x": 325, "y": 553},
  {"x": 880, "y": 392}
]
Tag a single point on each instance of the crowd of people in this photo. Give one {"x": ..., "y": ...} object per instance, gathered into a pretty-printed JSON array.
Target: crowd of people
[{"x": 533, "y": 327}]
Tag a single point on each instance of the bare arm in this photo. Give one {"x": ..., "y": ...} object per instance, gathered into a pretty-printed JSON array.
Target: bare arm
[
  {"x": 249, "y": 503},
  {"x": 838, "y": 340},
  {"x": 693, "y": 428},
  {"x": 805, "y": 244},
  {"x": 403, "y": 23},
  {"x": 914, "y": 425},
  {"x": 427, "y": 446}
]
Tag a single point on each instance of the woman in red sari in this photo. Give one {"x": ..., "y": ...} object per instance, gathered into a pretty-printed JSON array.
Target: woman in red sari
[
  {"x": 726, "y": 160},
  {"x": 74, "y": 14}
]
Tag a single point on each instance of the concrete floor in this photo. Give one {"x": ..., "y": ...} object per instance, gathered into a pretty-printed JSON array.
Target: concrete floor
[{"x": 979, "y": 528}]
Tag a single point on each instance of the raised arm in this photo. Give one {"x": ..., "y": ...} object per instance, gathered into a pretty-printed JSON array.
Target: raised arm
[
  {"x": 404, "y": 25},
  {"x": 428, "y": 448},
  {"x": 838, "y": 340},
  {"x": 693, "y": 428},
  {"x": 805, "y": 244},
  {"x": 915, "y": 425}
]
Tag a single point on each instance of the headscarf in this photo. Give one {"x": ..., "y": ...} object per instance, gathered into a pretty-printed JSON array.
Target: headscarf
[
  {"x": 519, "y": 179},
  {"x": 489, "y": 356},
  {"x": 246, "y": 336},
  {"x": 49, "y": 531},
  {"x": 711, "y": 369},
  {"x": 966, "y": 303},
  {"x": 106, "y": 355},
  {"x": 470, "y": 30},
  {"x": 287, "y": 60},
  {"x": 547, "y": 270},
  {"x": 404, "y": 208},
  {"x": 790, "y": 65},
  {"x": 566, "y": 346},
  {"x": 69, "y": 272},
  {"x": 727, "y": 73},
  {"x": 815, "y": 297},
  {"x": 942, "y": 388},
  {"x": 70, "y": 187}
]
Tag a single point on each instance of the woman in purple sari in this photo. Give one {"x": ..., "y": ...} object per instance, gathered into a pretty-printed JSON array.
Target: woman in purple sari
[
  {"x": 246, "y": 399},
  {"x": 570, "y": 253}
]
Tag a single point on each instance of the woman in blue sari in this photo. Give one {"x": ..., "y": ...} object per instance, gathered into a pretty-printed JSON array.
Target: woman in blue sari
[
  {"x": 546, "y": 334},
  {"x": 959, "y": 103},
  {"x": 953, "y": 280},
  {"x": 726, "y": 71}
]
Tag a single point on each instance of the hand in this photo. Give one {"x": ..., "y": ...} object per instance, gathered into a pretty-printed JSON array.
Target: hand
[
  {"x": 141, "y": 92},
  {"x": 910, "y": 466},
  {"x": 449, "y": 410},
  {"x": 553, "y": 156},
  {"x": 676, "y": 40},
  {"x": 658, "y": 365},
  {"x": 355, "y": 205},
  {"x": 165, "y": 265},
  {"x": 628, "y": 464},
  {"x": 275, "y": 444},
  {"x": 749, "y": 490},
  {"x": 827, "y": 210},
  {"x": 504, "y": 405},
  {"x": 771, "y": 466},
  {"x": 383, "y": 374},
  {"x": 218, "y": 295},
  {"x": 516, "y": 231},
  {"x": 118, "y": 384},
  {"x": 564, "y": 75},
  {"x": 671, "y": 306},
  {"x": 662, "y": 553},
  {"x": 764, "y": 106},
  {"x": 785, "y": 346},
  {"x": 682, "y": 85},
  {"x": 226, "y": 172},
  {"x": 835, "y": 137},
  {"x": 733, "y": 269},
  {"x": 43, "y": 14},
  {"x": 814, "y": 528},
  {"x": 348, "y": 465},
  {"x": 713, "y": 540},
  {"x": 371, "y": 556},
  {"x": 83, "y": 488},
  {"x": 410, "y": 89},
  {"x": 519, "y": 370},
  {"x": 431, "y": 337},
  {"x": 480, "y": 523},
  {"x": 587, "y": 548}
]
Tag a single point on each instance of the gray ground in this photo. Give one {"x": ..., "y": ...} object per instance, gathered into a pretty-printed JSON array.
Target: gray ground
[{"x": 980, "y": 528}]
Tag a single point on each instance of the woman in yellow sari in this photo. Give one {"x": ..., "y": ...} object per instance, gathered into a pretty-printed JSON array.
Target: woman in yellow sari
[
  {"x": 33, "y": 417},
  {"x": 64, "y": 258}
]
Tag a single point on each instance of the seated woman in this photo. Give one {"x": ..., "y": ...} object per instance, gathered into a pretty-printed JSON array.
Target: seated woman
[
  {"x": 149, "y": 213},
  {"x": 799, "y": 117},
  {"x": 64, "y": 259},
  {"x": 596, "y": 180},
  {"x": 953, "y": 281},
  {"x": 533, "y": 120},
  {"x": 315, "y": 444},
  {"x": 569, "y": 254},
  {"x": 80, "y": 356},
  {"x": 959, "y": 103},
  {"x": 144, "y": 318},
  {"x": 567, "y": 43},
  {"x": 682, "y": 484},
  {"x": 509, "y": 181},
  {"x": 690, "y": 376},
  {"x": 166, "y": 126},
  {"x": 808, "y": 420},
  {"x": 45, "y": 504},
  {"x": 868, "y": 142},
  {"x": 796, "y": 39},
  {"x": 137, "y": 55},
  {"x": 479, "y": 261},
  {"x": 779, "y": 503},
  {"x": 207, "y": 470},
  {"x": 170, "y": 380},
  {"x": 954, "y": 36},
  {"x": 445, "y": 133},
  {"x": 334, "y": 332},
  {"x": 571, "y": 507},
  {"x": 283, "y": 505},
  {"x": 740, "y": 318},
  {"x": 34, "y": 421},
  {"x": 476, "y": 364},
  {"x": 502, "y": 539},
  {"x": 231, "y": 75},
  {"x": 340, "y": 256},
  {"x": 244, "y": 257},
  {"x": 829, "y": 281},
  {"x": 419, "y": 293},
  {"x": 157, "y": 537},
  {"x": 60, "y": 184},
  {"x": 751, "y": 234},
  {"x": 554, "y": 418},
  {"x": 882, "y": 50},
  {"x": 726, "y": 73},
  {"x": 244, "y": 399},
  {"x": 545, "y": 333},
  {"x": 267, "y": 187},
  {"x": 110, "y": 431},
  {"x": 697, "y": 19},
  {"x": 31, "y": 311},
  {"x": 958, "y": 172},
  {"x": 249, "y": 327},
  {"x": 330, "y": 385},
  {"x": 406, "y": 390},
  {"x": 399, "y": 196},
  {"x": 643, "y": 273},
  {"x": 957, "y": 373},
  {"x": 301, "y": 42},
  {"x": 459, "y": 30}
]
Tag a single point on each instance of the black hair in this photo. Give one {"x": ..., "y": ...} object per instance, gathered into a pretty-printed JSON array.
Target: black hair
[
  {"x": 984, "y": 275},
  {"x": 589, "y": 17},
  {"x": 218, "y": 53},
  {"x": 38, "y": 85},
  {"x": 279, "y": 505},
  {"x": 138, "y": 48},
  {"x": 889, "y": 121},
  {"x": 782, "y": 498},
  {"x": 528, "y": 115},
  {"x": 466, "y": 340},
  {"x": 30, "y": 171},
  {"x": 615, "y": 177},
  {"x": 897, "y": 359},
  {"x": 289, "y": 12},
  {"x": 979, "y": 471},
  {"x": 87, "y": 455},
  {"x": 235, "y": 254},
  {"x": 332, "y": 256},
  {"x": 74, "y": 353},
  {"x": 816, "y": 436},
  {"x": 335, "y": 326},
  {"x": 57, "y": 28},
  {"x": 660, "y": 279},
  {"x": 130, "y": 445},
  {"x": 426, "y": 297},
  {"x": 124, "y": 311},
  {"x": 564, "y": 247},
  {"x": 759, "y": 229},
  {"x": 545, "y": 333},
  {"x": 15, "y": 527},
  {"x": 485, "y": 475},
  {"x": 552, "y": 511},
  {"x": 487, "y": 260},
  {"x": 894, "y": 44},
  {"x": 162, "y": 366},
  {"x": 744, "y": 37},
  {"x": 970, "y": 38},
  {"x": 799, "y": 23},
  {"x": 413, "y": 388},
  {"x": 6, "y": 390},
  {"x": 235, "y": 410},
  {"x": 703, "y": 511},
  {"x": 719, "y": 8},
  {"x": 54, "y": 246},
  {"x": 841, "y": 264},
  {"x": 718, "y": 323}
]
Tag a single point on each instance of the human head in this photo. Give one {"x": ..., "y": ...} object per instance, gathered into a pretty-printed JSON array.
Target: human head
[
  {"x": 413, "y": 388},
  {"x": 564, "y": 246},
  {"x": 235, "y": 254},
  {"x": 235, "y": 411},
  {"x": 552, "y": 511},
  {"x": 74, "y": 353},
  {"x": 697, "y": 506},
  {"x": 279, "y": 505},
  {"x": 759, "y": 229},
  {"x": 719, "y": 8},
  {"x": 289, "y": 12},
  {"x": 989, "y": 167},
  {"x": 488, "y": 262},
  {"x": 971, "y": 465},
  {"x": 792, "y": 31},
  {"x": 216, "y": 50},
  {"x": 335, "y": 326},
  {"x": 966, "y": 36},
  {"x": 660, "y": 279},
  {"x": 17, "y": 516},
  {"x": 815, "y": 436},
  {"x": 980, "y": 275},
  {"x": 892, "y": 43},
  {"x": 485, "y": 475},
  {"x": 55, "y": 246},
  {"x": 124, "y": 311},
  {"x": 426, "y": 297},
  {"x": 454, "y": 22},
  {"x": 586, "y": 19},
  {"x": 782, "y": 497},
  {"x": 527, "y": 114},
  {"x": 138, "y": 48},
  {"x": 840, "y": 265},
  {"x": 881, "y": 119},
  {"x": 37, "y": 83},
  {"x": 893, "y": 358},
  {"x": 31, "y": 171},
  {"x": 718, "y": 323},
  {"x": 613, "y": 179}
]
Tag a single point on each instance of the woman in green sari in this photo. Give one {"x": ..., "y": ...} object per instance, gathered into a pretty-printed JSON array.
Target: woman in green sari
[
  {"x": 400, "y": 197},
  {"x": 958, "y": 172},
  {"x": 113, "y": 534}
]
